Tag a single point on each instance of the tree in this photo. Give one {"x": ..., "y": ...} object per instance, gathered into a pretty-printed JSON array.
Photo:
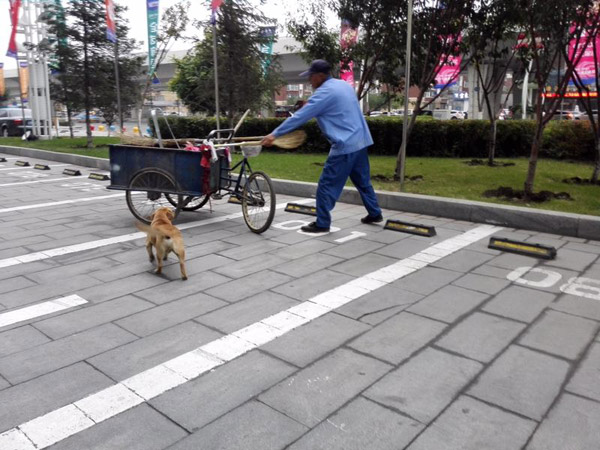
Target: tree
[
  {"x": 243, "y": 82},
  {"x": 437, "y": 32},
  {"x": 549, "y": 27},
  {"x": 491, "y": 39},
  {"x": 590, "y": 49}
]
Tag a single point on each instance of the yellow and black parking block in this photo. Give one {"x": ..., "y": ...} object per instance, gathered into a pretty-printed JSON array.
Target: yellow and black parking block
[
  {"x": 99, "y": 176},
  {"x": 22, "y": 163},
  {"x": 2, "y": 159},
  {"x": 523, "y": 248},
  {"x": 301, "y": 209},
  {"x": 412, "y": 228},
  {"x": 41, "y": 167},
  {"x": 73, "y": 172}
]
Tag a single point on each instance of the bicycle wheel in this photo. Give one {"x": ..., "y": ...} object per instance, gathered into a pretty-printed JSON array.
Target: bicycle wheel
[
  {"x": 189, "y": 203},
  {"x": 258, "y": 202},
  {"x": 146, "y": 193}
]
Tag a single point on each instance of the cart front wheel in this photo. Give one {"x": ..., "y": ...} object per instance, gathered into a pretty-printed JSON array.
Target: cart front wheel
[
  {"x": 258, "y": 202},
  {"x": 148, "y": 191},
  {"x": 189, "y": 203}
]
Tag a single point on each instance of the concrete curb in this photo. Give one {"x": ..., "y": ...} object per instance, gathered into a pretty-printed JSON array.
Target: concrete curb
[{"x": 567, "y": 224}]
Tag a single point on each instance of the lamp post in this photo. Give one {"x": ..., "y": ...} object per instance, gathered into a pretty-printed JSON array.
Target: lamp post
[{"x": 406, "y": 88}]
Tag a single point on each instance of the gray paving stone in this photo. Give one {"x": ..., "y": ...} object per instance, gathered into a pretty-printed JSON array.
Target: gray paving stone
[
  {"x": 523, "y": 381},
  {"x": 579, "y": 245},
  {"x": 471, "y": 425},
  {"x": 427, "y": 280},
  {"x": 45, "y": 358},
  {"x": 481, "y": 336},
  {"x": 398, "y": 338},
  {"x": 403, "y": 249},
  {"x": 313, "y": 340},
  {"x": 142, "y": 354},
  {"x": 223, "y": 389},
  {"x": 462, "y": 261},
  {"x": 203, "y": 263},
  {"x": 488, "y": 285},
  {"x": 579, "y": 306},
  {"x": 58, "y": 288},
  {"x": 248, "y": 286},
  {"x": 119, "y": 288},
  {"x": 67, "y": 271},
  {"x": 91, "y": 316},
  {"x": 519, "y": 303},
  {"x": 585, "y": 380},
  {"x": 492, "y": 271},
  {"x": 307, "y": 264},
  {"x": 425, "y": 385},
  {"x": 312, "y": 285},
  {"x": 353, "y": 249},
  {"x": 141, "y": 428},
  {"x": 252, "y": 426},
  {"x": 363, "y": 264},
  {"x": 571, "y": 424},
  {"x": 571, "y": 259},
  {"x": 560, "y": 334},
  {"x": 165, "y": 316},
  {"x": 379, "y": 305},
  {"x": 360, "y": 425},
  {"x": 177, "y": 289},
  {"x": 13, "y": 285},
  {"x": 250, "y": 250},
  {"x": 315, "y": 392},
  {"x": 448, "y": 304},
  {"x": 19, "y": 339},
  {"x": 235, "y": 316},
  {"x": 248, "y": 266},
  {"x": 44, "y": 394},
  {"x": 511, "y": 261},
  {"x": 32, "y": 268}
]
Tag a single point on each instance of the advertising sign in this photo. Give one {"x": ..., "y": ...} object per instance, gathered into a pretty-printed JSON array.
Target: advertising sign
[{"x": 348, "y": 37}]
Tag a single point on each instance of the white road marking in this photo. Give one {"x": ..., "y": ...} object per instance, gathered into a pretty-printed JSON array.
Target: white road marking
[
  {"x": 57, "y": 425},
  {"x": 62, "y": 202},
  {"x": 41, "y": 309},
  {"x": 31, "y": 167},
  {"x": 353, "y": 235},
  {"x": 42, "y": 181},
  {"x": 45, "y": 254}
]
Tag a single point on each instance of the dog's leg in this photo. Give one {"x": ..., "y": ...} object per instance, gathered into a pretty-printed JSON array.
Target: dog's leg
[
  {"x": 149, "y": 249},
  {"x": 159, "y": 256},
  {"x": 181, "y": 255}
]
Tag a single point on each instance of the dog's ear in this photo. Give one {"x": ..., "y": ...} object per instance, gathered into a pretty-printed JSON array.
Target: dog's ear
[{"x": 170, "y": 214}]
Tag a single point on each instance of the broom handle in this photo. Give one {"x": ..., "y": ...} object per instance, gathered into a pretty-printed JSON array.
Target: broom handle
[
  {"x": 246, "y": 138},
  {"x": 238, "y": 144}
]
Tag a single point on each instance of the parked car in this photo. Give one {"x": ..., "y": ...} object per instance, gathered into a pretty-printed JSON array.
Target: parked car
[
  {"x": 456, "y": 115},
  {"x": 11, "y": 121},
  {"x": 94, "y": 118},
  {"x": 566, "y": 115}
]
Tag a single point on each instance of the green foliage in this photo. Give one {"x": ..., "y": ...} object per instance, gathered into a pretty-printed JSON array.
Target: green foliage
[{"x": 572, "y": 140}]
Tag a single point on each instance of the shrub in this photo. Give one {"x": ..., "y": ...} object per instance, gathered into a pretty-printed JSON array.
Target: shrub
[{"x": 436, "y": 138}]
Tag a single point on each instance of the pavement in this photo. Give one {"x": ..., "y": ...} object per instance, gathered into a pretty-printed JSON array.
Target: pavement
[{"x": 362, "y": 338}]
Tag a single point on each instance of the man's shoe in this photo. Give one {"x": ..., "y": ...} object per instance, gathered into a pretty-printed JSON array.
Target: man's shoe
[
  {"x": 313, "y": 228},
  {"x": 371, "y": 219}
]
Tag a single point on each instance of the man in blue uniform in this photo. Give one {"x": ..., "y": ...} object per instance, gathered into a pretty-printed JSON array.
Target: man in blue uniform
[{"x": 338, "y": 114}]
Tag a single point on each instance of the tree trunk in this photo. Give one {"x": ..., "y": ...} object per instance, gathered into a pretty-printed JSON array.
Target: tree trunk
[
  {"x": 596, "y": 172},
  {"x": 70, "y": 122},
  {"x": 492, "y": 140},
  {"x": 413, "y": 119},
  {"x": 533, "y": 158}
]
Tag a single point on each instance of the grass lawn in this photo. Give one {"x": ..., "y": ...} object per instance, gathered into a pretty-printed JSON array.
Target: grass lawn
[{"x": 443, "y": 177}]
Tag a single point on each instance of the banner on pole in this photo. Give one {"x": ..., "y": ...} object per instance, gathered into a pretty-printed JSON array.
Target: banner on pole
[
  {"x": 2, "y": 83},
  {"x": 268, "y": 34},
  {"x": 15, "y": 5},
  {"x": 214, "y": 7},
  {"x": 152, "y": 14},
  {"x": 348, "y": 37},
  {"x": 24, "y": 80},
  {"x": 449, "y": 65},
  {"x": 582, "y": 51},
  {"x": 111, "y": 26}
]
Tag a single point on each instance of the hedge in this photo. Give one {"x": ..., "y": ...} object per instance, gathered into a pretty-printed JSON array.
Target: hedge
[{"x": 438, "y": 138}]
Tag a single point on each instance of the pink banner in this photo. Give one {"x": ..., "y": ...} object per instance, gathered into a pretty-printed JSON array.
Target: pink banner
[
  {"x": 450, "y": 66},
  {"x": 348, "y": 38},
  {"x": 14, "y": 19},
  {"x": 111, "y": 27},
  {"x": 584, "y": 50}
]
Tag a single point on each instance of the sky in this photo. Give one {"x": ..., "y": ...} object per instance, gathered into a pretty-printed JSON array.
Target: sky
[{"x": 277, "y": 9}]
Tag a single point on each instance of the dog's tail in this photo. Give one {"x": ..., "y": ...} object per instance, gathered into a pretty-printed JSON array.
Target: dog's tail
[{"x": 143, "y": 227}]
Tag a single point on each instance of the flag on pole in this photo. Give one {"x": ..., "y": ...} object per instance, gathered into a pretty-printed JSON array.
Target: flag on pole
[
  {"x": 348, "y": 38},
  {"x": 14, "y": 19},
  {"x": 2, "y": 84},
  {"x": 111, "y": 26},
  {"x": 152, "y": 14},
  {"x": 214, "y": 6},
  {"x": 24, "y": 79},
  {"x": 268, "y": 34}
]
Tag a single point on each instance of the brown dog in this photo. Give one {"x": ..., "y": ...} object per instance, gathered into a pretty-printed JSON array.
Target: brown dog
[{"x": 165, "y": 238}]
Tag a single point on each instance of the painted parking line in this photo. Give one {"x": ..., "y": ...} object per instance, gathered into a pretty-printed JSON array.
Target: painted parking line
[
  {"x": 62, "y": 202},
  {"x": 51, "y": 253},
  {"x": 41, "y": 309},
  {"x": 61, "y": 423},
  {"x": 41, "y": 181},
  {"x": 24, "y": 168}
]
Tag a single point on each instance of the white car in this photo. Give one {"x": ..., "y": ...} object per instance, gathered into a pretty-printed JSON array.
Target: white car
[{"x": 456, "y": 115}]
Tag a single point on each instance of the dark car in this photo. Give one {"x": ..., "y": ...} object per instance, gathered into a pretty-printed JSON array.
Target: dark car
[{"x": 11, "y": 121}]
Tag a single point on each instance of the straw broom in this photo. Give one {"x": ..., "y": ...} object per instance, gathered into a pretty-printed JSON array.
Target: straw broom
[{"x": 288, "y": 141}]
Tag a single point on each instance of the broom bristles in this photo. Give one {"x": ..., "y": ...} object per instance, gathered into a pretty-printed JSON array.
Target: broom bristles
[{"x": 291, "y": 140}]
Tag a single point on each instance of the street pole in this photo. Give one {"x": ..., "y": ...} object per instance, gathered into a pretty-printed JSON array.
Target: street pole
[
  {"x": 218, "y": 111},
  {"x": 118, "y": 85},
  {"x": 406, "y": 89}
]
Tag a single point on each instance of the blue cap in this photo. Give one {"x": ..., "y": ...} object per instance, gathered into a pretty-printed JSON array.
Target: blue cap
[{"x": 317, "y": 66}]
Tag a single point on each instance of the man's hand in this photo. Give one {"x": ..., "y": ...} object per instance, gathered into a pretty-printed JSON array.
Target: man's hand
[{"x": 267, "y": 141}]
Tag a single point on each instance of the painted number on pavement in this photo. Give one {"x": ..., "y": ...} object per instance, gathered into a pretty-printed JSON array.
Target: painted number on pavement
[{"x": 542, "y": 278}]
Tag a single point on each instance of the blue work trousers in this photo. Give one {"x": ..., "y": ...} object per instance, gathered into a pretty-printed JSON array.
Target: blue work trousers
[{"x": 333, "y": 178}]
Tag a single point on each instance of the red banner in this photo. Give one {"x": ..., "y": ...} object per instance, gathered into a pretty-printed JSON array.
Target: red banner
[
  {"x": 348, "y": 37},
  {"x": 214, "y": 6},
  {"x": 111, "y": 26},
  {"x": 15, "y": 5}
]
